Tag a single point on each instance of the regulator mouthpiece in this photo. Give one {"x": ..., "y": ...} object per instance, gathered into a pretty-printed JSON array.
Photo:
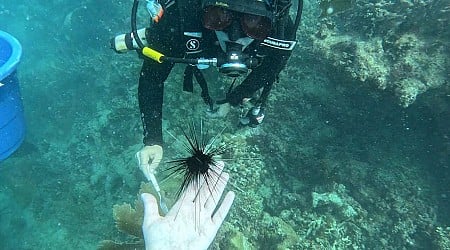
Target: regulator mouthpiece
[
  {"x": 234, "y": 64},
  {"x": 235, "y": 69}
]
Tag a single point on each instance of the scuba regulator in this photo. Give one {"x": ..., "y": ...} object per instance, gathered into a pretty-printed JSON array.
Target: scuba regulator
[{"x": 236, "y": 63}]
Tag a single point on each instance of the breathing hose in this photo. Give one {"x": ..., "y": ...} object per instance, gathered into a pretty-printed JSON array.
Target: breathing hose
[{"x": 298, "y": 18}]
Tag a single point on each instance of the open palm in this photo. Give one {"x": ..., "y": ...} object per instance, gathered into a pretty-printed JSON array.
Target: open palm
[{"x": 192, "y": 222}]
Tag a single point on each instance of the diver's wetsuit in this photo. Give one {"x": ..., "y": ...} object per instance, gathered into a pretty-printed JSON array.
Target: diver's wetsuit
[{"x": 168, "y": 37}]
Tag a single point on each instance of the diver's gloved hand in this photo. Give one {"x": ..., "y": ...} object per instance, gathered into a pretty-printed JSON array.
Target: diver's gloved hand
[
  {"x": 184, "y": 227},
  {"x": 149, "y": 158},
  {"x": 254, "y": 117}
]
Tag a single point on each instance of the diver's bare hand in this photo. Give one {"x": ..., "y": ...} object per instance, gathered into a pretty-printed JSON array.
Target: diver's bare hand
[
  {"x": 149, "y": 158},
  {"x": 187, "y": 225}
]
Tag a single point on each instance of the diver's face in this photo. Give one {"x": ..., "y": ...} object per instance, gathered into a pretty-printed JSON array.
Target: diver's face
[{"x": 221, "y": 19}]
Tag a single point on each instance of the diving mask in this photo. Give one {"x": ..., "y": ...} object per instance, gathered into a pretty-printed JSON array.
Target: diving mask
[{"x": 254, "y": 26}]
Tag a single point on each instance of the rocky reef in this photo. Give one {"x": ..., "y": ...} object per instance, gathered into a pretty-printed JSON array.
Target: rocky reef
[
  {"x": 397, "y": 46},
  {"x": 337, "y": 162}
]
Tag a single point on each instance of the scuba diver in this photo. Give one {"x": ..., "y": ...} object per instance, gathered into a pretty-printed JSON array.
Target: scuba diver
[
  {"x": 245, "y": 39},
  {"x": 249, "y": 39}
]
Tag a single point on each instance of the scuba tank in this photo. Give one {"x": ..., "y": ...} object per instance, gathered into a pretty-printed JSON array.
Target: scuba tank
[{"x": 130, "y": 41}]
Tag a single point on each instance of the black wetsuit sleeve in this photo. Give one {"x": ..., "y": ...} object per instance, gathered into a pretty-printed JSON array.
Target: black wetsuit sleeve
[
  {"x": 150, "y": 95},
  {"x": 165, "y": 38},
  {"x": 264, "y": 75},
  {"x": 267, "y": 73}
]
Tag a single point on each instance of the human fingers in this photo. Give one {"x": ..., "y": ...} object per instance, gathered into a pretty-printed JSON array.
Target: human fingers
[
  {"x": 218, "y": 166},
  {"x": 216, "y": 192},
  {"x": 210, "y": 181},
  {"x": 150, "y": 209},
  {"x": 154, "y": 165},
  {"x": 147, "y": 153},
  {"x": 142, "y": 156},
  {"x": 198, "y": 190},
  {"x": 156, "y": 154},
  {"x": 222, "y": 211}
]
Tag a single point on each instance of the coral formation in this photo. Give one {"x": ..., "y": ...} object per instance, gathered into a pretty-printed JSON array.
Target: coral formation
[
  {"x": 442, "y": 240},
  {"x": 386, "y": 45},
  {"x": 361, "y": 60},
  {"x": 128, "y": 219},
  {"x": 333, "y": 166},
  {"x": 334, "y": 199},
  {"x": 237, "y": 241},
  {"x": 329, "y": 7}
]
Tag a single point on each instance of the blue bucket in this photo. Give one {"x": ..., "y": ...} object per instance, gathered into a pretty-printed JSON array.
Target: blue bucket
[{"x": 12, "y": 122}]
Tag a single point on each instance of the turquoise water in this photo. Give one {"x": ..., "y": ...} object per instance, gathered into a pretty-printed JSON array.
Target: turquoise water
[{"x": 338, "y": 163}]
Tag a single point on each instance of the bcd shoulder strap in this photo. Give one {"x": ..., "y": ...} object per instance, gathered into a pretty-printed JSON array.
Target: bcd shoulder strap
[{"x": 191, "y": 26}]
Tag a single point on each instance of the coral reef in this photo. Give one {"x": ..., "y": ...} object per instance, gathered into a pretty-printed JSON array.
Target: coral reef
[
  {"x": 361, "y": 60},
  {"x": 111, "y": 245},
  {"x": 336, "y": 164},
  {"x": 389, "y": 46},
  {"x": 442, "y": 238},
  {"x": 330, "y": 7},
  {"x": 334, "y": 199},
  {"x": 129, "y": 221}
]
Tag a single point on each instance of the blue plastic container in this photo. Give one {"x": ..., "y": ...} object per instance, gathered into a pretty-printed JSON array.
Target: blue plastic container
[{"x": 12, "y": 122}]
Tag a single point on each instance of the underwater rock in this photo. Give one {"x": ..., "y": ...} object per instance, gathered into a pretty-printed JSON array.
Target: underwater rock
[
  {"x": 393, "y": 46},
  {"x": 442, "y": 240},
  {"x": 333, "y": 199},
  {"x": 418, "y": 68},
  {"x": 359, "y": 60},
  {"x": 282, "y": 234},
  {"x": 408, "y": 89},
  {"x": 238, "y": 241}
]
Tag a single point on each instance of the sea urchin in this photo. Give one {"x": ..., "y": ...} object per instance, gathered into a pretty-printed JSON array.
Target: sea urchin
[{"x": 200, "y": 164}]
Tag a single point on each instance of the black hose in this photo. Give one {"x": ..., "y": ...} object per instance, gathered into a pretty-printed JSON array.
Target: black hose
[
  {"x": 298, "y": 18},
  {"x": 133, "y": 24},
  {"x": 179, "y": 60}
]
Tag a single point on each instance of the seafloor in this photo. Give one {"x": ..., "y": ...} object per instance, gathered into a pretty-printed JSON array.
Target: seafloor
[{"x": 353, "y": 154}]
